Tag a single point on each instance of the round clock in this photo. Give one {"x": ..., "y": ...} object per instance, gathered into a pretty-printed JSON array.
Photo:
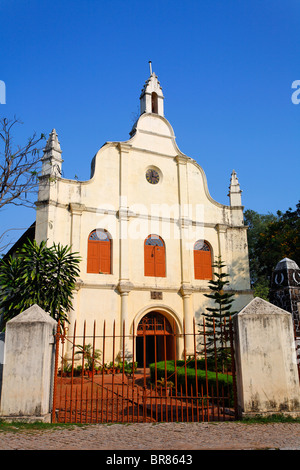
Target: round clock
[{"x": 152, "y": 176}]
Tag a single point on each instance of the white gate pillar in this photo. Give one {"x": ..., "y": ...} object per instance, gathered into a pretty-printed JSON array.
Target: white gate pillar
[
  {"x": 28, "y": 367},
  {"x": 266, "y": 361}
]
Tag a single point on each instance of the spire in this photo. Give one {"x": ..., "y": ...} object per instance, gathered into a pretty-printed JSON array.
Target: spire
[
  {"x": 52, "y": 160},
  {"x": 235, "y": 190},
  {"x": 152, "y": 98},
  {"x": 53, "y": 143}
]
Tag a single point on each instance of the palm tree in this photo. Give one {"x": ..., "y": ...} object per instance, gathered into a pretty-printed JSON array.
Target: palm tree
[{"x": 40, "y": 275}]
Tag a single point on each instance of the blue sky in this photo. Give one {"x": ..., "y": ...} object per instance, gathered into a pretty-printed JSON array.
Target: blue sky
[{"x": 226, "y": 68}]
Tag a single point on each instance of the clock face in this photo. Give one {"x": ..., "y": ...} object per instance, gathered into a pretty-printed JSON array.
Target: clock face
[{"x": 152, "y": 176}]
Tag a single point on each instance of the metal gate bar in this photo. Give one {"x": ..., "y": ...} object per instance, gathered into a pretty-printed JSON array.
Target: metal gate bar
[{"x": 97, "y": 395}]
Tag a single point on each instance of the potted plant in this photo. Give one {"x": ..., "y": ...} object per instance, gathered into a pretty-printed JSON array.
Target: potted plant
[
  {"x": 163, "y": 387},
  {"x": 91, "y": 357},
  {"x": 66, "y": 369},
  {"x": 78, "y": 371},
  {"x": 129, "y": 368}
]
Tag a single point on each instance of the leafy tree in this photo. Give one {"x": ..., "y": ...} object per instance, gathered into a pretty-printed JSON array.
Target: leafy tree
[
  {"x": 258, "y": 225},
  {"x": 217, "y": 317},
  {"x": 270, "y": 239},
  {"x": 38, "y": 275}
]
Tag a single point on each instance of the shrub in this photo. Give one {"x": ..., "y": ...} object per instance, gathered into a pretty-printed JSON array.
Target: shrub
[{"x": 223, "y": 380}]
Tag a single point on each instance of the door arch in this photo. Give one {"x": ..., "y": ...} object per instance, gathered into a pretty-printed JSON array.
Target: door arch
[{"x": 154, "y": 339}]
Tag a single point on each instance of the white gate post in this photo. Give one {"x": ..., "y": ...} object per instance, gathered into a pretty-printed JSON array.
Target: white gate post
[
  {"x": 28, "y": 367},
  {"x": 266, "y": 362}
]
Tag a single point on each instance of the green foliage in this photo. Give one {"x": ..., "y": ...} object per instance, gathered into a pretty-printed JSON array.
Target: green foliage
[
  {"x": 217, "y": 316},
  {"x": 91, "y": 356},
  {"x": 129, "y": 367},
  {"x": 261, "y": 288},
  {"x": 38, "y": 275},
  {"x": 213, "y": 379},
  {"x": 270, "y": 239}
]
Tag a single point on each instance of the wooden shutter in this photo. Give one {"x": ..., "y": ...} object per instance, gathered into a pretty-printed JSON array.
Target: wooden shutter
[
  {"x": 93, "y": 258},
  {"x": 202, "y": 263},
  {"x": 160, "y": 261},
  {"x": 105, "y": 252},
  {"x": 154, "y": 257},
  {"x": 149, "y": 260},
  {"x": 99, "y": 253}
]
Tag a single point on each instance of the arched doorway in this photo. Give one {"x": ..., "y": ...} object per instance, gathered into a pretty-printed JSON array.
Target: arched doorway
[{"x": 155, "y": 339}]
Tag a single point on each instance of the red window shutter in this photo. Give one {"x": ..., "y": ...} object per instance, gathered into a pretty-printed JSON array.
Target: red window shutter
[
  {"x": 202, "y": 264},
  {"x": 160, "y": 261},
  {"x": 105, "y": 257},
  {"x": 93, "y": 258},
  {"x": 149, "y": 260},
  {"x": 99, "y": 253}
]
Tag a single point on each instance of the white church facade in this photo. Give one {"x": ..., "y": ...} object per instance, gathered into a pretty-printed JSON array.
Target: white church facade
[{"x": 145, "y": 226}]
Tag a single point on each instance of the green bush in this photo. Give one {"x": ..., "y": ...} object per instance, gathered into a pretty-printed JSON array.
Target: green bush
[{"x": 223, "y": 380}]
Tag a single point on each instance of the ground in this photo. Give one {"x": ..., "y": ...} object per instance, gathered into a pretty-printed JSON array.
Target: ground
[{"x": 147, "y": 436}]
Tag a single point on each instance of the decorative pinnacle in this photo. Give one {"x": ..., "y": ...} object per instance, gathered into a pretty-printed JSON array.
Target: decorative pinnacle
[
  {"x": 235, "y": 190},
  {"x": 52, "y": 142}
]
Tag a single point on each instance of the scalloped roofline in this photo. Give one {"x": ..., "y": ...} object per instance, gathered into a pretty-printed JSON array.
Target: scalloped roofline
[{"x": 177, "y": 150}]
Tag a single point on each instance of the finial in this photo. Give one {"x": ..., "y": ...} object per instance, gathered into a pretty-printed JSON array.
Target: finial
[
  {"x": 150, "y": 65},
  {"x": 235, "y": 190},
  {"x": 52, "y": 160}
]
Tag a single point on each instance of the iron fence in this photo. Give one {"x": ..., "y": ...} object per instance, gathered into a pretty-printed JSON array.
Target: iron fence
[{"x": 155, "y": 373}]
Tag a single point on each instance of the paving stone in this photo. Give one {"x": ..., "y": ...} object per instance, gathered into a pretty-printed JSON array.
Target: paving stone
[{"x": 163, "y": 436}]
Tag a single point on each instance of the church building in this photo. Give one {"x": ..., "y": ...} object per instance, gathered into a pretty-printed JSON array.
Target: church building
[{"x": 146, "y": 228}]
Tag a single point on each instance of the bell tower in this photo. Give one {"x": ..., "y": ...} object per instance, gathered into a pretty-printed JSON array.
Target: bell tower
[{"x": 152, "y": 98}]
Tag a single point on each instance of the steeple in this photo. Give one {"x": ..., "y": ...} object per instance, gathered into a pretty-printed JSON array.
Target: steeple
[
  {"x": 152, "y": 98},
  {"x": 52, "y": 160},
  {"x": 235, "y": 191}
]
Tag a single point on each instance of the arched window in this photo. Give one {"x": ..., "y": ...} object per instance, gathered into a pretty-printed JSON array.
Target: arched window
[
  {"x": 99, "y": 252},
  {"x": 154, "y": 102},
  {"x": 154, "y": 256},
  {"x": 202, "y": 260}
]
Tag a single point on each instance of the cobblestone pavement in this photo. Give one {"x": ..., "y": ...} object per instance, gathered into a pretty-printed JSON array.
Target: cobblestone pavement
[{"x": 163, "y": 436}]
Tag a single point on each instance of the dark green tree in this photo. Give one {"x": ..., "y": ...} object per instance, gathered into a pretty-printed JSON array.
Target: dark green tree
[
  {"x": 270, "y": 239},
  {"x": 217, "y": 317},
  {"x": 40, "y": 275}
]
